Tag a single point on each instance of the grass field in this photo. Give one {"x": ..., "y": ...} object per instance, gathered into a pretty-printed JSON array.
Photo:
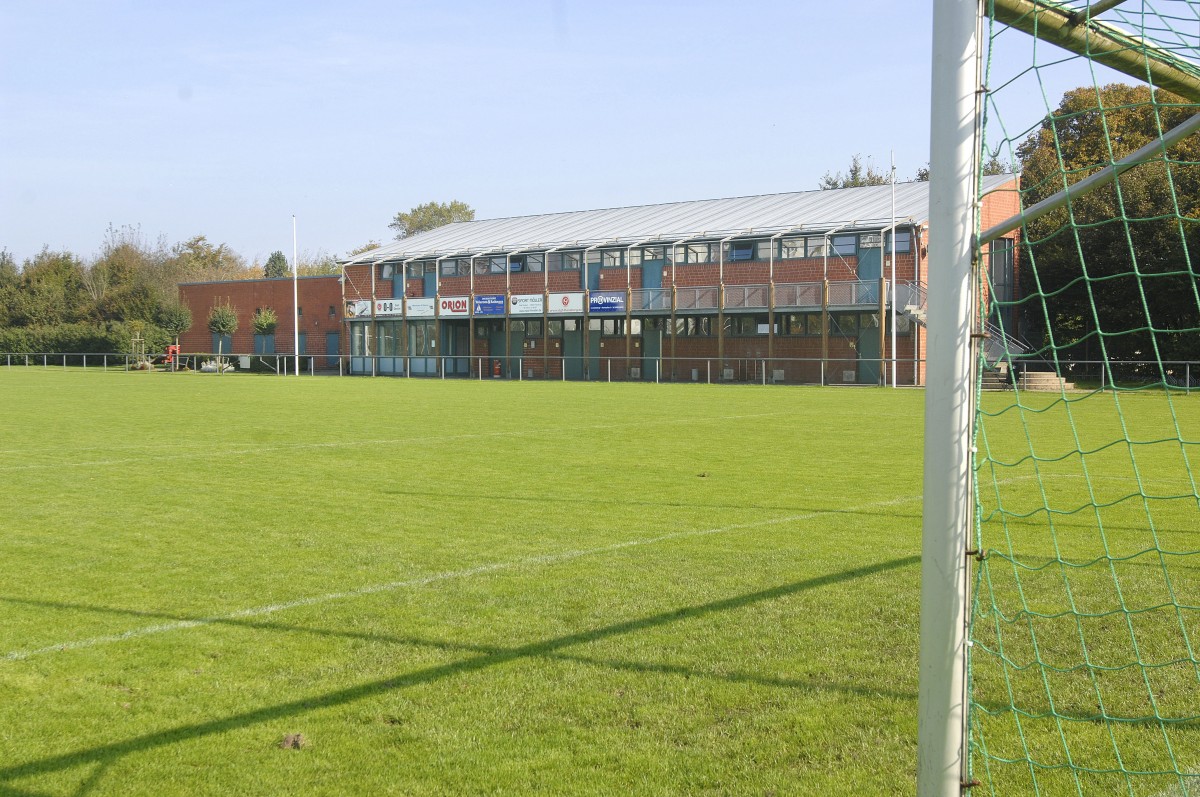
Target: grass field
[{"x": 456, "y": 587}]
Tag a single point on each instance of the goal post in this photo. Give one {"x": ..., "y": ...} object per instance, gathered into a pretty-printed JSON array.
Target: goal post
[
  {"x": 953, "y": 139},
  {"x": 1060, "y": 576}
]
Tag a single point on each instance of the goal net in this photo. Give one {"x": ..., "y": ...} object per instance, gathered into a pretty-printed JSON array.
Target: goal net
[{"x": 1083, "y": 573}]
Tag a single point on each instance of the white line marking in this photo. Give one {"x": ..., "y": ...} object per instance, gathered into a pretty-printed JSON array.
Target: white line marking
[
  {"x": 239, "y": 452},
  {"x": 259, "y": 611}
]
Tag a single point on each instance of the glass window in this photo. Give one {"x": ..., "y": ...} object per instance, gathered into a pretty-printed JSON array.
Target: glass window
[
  {"x": 516, "y": 263},
  {"x": 481, "y": 264},
  {"x": 358, "y": 339},
  {"x": 845, "y": 244},
  {"x": 652, "y": 253},
  {"x": 763, "y": 249},
  {"x": 570, "y": 324},
  {"x": 535, "y": 262},
  {"x": 613, "y": 258},
  {"x": 843, "y": 325},
  {"x": 571, "y": 261},
  {"x": 449, "y": 268},
  {"x": 554, "y": 328},
  {"x": 696, "y": 253},
  {"x": 593, "y": 257},
  {"x": 903, "y": 241},
  {"x": 497, "y": 264},
  {"x": 608, "y": 326},
  {"x": 517, "y": 326},
  {"x": 792, "y": 248},
  {"x": 741, "y": 250},
  {"x": 593, "y": 324},
  {"x": 635, "y": 326},
  {"x": 818, "y": 246},
  {"x": 533, "y": 328}
]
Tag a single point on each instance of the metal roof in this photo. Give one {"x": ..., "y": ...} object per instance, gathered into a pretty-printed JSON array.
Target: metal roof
[{"x": 868, "y": 207}]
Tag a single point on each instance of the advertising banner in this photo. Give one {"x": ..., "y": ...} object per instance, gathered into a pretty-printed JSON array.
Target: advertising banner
[
  {"x": 566, "y": 303},
  {"x": 606, "y": 302},
  {"x": 420, "y": 308},
  {"x": 358, "y": 308},
  {"x": 489, "y": 304},
  {"x": 453, "y": 305},
  {"x": 388, "y": 307},
  {"x": 531, "y": 304}
]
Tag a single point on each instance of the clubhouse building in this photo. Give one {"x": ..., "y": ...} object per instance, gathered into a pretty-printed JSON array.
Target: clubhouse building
[{"x": 815, "y": 287}]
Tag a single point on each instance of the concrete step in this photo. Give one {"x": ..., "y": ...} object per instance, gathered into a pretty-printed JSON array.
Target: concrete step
[{"x": 1043, "y": 380}]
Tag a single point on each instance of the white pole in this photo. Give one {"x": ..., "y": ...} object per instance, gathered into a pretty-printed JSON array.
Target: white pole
[
  {"x": 296, "y": 298},
  {"x": 893, "y": 263},
  {"x": 942, "y": 699}
]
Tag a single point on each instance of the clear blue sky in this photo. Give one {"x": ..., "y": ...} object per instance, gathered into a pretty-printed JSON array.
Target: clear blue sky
[{"x": 225, "y": 118}]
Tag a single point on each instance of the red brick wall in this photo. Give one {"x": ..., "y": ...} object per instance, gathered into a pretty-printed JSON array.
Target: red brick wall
[{"x": 316, "y": 296}]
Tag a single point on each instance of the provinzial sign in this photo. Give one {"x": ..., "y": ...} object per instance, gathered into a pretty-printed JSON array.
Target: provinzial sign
[
  {"x": 531, "y": 304},
  {"x": 389, "y": 307},
  {"x": 489, "y": 304},
  {"x": 358, "y": 308},
  {"x": 566, "y": 303},
  {"x": 453, "y": 305},
  {"x": 606, "y": 302},
  {"x": 420, "y": 308}
]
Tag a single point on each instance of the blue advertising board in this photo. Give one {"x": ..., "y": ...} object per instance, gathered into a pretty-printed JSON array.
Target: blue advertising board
[
  {"x": 489, "y": 304},
  {"x": 606, "y": 302}
]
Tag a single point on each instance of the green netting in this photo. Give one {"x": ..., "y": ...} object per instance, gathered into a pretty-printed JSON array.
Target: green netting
[{"x": 1085, "y": 622}]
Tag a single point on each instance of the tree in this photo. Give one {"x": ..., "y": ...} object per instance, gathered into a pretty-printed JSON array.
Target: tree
[
  {"x": 858, "y": 175},
  {"x": 264, "y": 322},
  {"x": 430, "y": 216},
  {"x": 367, "y": 247},
  {"x": 175, "y": 319},
  {"x": 277, "y": 265},
  {"x": 993, "y": 165},
  {"x": 222, "y": 322},
  {"x": 1085, "y": 258}
]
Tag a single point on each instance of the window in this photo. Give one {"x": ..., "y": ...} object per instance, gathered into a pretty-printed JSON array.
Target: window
[
  {"x": 694, "y": 325},
  {"x": 497, "y": 264},
  {"x": 517, "y": 326},
  {"x": 844, "y": 325},
  {"x": 764, "y": 249},
  {"x": 653, "y": 253},
  {"x": 608, "y": 326},
  {"x": 793, "y": 248},
  {"x": 845, "y": 244},
  {"x": 332, "y": 311},
  {"x": 449, "y": 268},
  {"x": 570, "y": 324},
  {"x": 533, "y": 328},
  {"x": 633, "y": 257},
  {"x": 593, "y": 258},
  {"x": 696, "y": 253},
  {"x": 554, "y": 328},
  {"x": 535, "y": 262},
  {"x": 870, "y": 240},
  {"x": 613, "y": 258},
  {"x": 741, "y": 325},
  {"x": 563, "y": 261},
  {"x": 741, "y": 250},
  {"x": 903, "y": 241},
  {"x": 387, "y": 343},
  {"x": 299, "y": 312},
  {"x": 818, "y": 246},
  {"x": 593, "y": 325},
  {"x": 386, "y": 271}
]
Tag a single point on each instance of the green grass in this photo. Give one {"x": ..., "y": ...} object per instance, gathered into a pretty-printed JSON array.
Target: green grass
[{"x": 456, "y": 587}]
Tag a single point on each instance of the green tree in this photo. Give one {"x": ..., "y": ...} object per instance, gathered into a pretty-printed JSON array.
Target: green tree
[
  {"x": 175, "y": 319},
  {"x": 264, "y": 322},
  {"x": 277, "y": 265},
  {"x": 857, "y": 175},
  {"x": 430, "y": 216},
  {"x": 222, "y": 321},
  {"x": 367, "y": 247},
  {"x": 1087, "y": 257}
]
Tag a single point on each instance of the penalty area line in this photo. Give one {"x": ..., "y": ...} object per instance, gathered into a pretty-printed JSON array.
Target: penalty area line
[{"x": 391, "y": 586}]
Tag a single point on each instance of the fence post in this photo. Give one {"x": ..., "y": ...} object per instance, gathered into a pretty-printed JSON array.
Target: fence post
[
  {"x": 610, "y": 370},
  {"x": 85, "y": 362},
  {"x": 708, "y": 372}
]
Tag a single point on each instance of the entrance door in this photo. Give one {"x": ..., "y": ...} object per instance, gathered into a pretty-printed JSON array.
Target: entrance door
[
  {"x": 651, "y": 351},
  {"x": 516, "y": 348},
  {"x": 573, "y": 352},
  {"x": 870, "y": 263},
  {"x": 595, "y": 367},
  {"x": 455, "y": 346},
  {"x": 430, "y": 283},
  {"x": 868, "y": 353},
  {"x": 332, "y": 349}
]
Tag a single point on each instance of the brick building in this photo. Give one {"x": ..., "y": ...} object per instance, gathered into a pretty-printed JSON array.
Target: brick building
[
  {"x": 798, "y": 288},
  {"x": 320, "y": 317}
]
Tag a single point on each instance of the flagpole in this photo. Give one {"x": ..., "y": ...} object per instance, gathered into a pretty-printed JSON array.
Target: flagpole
[
  {"x": 893, "y": 253},
  {"x": 295, "y": 299}
]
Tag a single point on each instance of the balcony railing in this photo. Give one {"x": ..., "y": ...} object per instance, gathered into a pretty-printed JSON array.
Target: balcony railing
[
  {"x": 702, "y": 298},
  {"x": 747, "y": 296}
]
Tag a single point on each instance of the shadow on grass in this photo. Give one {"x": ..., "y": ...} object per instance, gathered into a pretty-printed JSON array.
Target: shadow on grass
[{"x": 487, "y": 657}]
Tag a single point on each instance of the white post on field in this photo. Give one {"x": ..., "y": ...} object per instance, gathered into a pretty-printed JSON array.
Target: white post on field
[
  {"x": 892, "y": 233},
  {"x": 942, "y": 764},
  {"x": 296, "y": 298}
]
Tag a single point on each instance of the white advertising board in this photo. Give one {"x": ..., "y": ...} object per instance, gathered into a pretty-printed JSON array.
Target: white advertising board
[
  {"x": 358, "y": 308},
  {"x": 566, "y": 303},
  {"x": 420, "y": 308},
  {"x": 454, "y": 305},
  {"x": 530, "y": 304},
  {"x": 389, "y": 307}
]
